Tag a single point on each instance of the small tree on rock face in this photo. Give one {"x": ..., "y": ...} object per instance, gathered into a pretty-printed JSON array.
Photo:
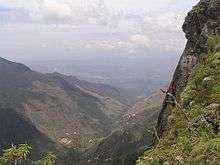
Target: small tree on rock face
[{"x": 18, "y": 155}]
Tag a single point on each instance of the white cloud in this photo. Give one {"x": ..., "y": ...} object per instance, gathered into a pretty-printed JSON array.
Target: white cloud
[
  {"x": 139, "y": 40},
  {"x": 108, "y": 44},
  {"x": 53, "y": 10},
  {"x": 129, "y": 45},
  {"x": 69, "y": 11},
  {"x": 161, "y": 29},
  {"x": 125, "y": 24},
  {"x": 168, "y": 21}
]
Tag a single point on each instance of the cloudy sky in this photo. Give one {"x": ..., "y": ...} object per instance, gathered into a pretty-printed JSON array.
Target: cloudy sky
[{"x": 69, "y": 28}]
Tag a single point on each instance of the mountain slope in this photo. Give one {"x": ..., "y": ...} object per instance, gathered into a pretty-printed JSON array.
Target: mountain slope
[
  {"x": 130, "y": 135},
  {"x": 98, "y": 88},
  {"x": 16, "y": 129},
  {"x": 152, "y": 101},
  {"x": 189, "y": 124},
  {"x": 66, "y": 113},
  {"x": 113, "y": 102}
]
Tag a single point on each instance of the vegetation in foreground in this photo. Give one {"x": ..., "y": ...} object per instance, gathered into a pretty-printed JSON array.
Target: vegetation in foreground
[
  {"x": 19, "y": 155},
  {"x": 194, "y": 126}
]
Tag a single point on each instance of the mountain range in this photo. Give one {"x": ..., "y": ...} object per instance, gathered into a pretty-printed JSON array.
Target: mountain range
[
  {"x": 59, "y": 113},
  {"x": 87, "y": 123}
]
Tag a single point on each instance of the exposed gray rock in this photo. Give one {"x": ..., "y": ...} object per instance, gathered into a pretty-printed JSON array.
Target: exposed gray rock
[
  {"x": 201, "y": 23},
  {"x": 207, "y": 80},
  {"x": 214, "y": 106}
]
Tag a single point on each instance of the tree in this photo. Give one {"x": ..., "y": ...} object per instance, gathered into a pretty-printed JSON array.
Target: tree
[{"x": 19, "y": 155}]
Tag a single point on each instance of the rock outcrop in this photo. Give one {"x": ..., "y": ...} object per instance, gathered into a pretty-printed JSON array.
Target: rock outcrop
[
  {"x": 189, "y": 123},
  {"x": 201, "y": 23}
]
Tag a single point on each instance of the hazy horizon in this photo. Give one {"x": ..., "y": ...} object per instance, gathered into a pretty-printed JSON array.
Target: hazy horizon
[
  {"x": 125, "y": 43},
  {"x": 46, "y": 29}
]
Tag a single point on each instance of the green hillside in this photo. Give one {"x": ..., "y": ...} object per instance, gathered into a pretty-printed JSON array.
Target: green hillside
[
  {"x": 193, "y": 135},
  {"x": 56, "y": 108}
]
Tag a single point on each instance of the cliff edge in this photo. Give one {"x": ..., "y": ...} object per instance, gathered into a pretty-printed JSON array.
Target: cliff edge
[
  {"x": 189, "y": 123},
  {"x": 202, "y": 22}
]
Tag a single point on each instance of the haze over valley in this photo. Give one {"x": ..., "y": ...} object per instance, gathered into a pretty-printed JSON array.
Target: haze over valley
[
  {"x": 123, "y": 44},
  {"x": 100, "y": 82}
]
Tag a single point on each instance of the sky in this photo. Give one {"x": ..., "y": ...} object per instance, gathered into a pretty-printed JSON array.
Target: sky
[{"x": 48, "y": 29}]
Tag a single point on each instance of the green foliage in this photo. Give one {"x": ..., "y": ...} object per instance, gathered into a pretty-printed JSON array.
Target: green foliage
[
  {"x": 197, "y": 141},
  {"x": 15, "y": 155},
  {"x": 19, "y": 155},
  {"x": 48, "y": 160}
]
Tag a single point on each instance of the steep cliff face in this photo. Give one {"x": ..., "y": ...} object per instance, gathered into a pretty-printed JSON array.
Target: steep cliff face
[
  {"x": 200, "y": 24},
  {"x": 189, "y": 124}
]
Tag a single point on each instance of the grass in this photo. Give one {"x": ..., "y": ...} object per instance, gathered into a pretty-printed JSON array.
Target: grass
[{"x": 197, "y": 141}]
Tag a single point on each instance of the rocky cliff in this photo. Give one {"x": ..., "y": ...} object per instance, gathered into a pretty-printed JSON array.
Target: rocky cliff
[
  {"x": 202, "y": 22},
  {"x": 189, "y": 123}
]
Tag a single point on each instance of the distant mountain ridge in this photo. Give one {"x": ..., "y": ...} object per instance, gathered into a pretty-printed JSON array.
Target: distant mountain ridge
[
  {"x": 72, "y": 117},
  {"x": 60, "y": 107}
]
